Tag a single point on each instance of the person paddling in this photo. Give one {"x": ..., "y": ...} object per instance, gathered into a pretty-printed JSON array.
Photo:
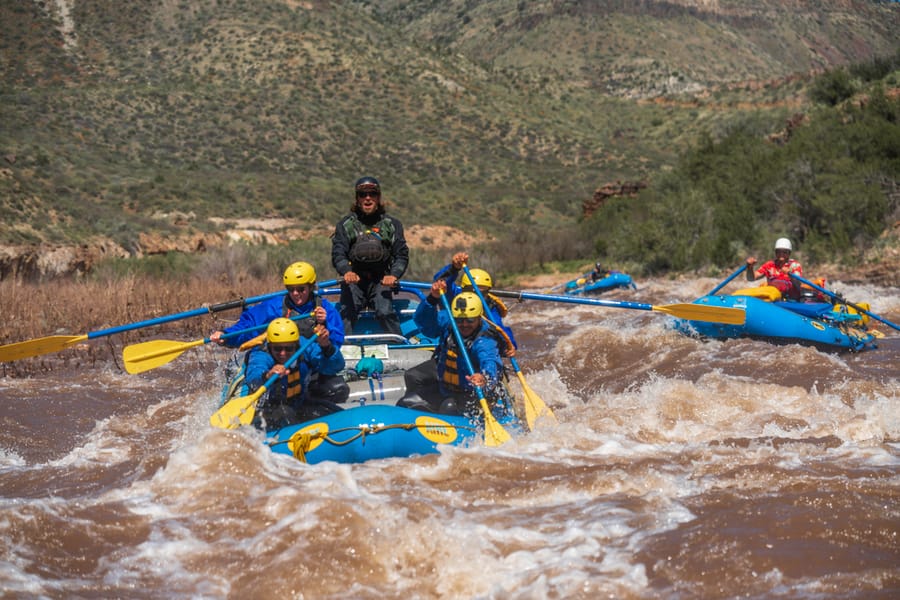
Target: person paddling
[
  {"x": 599, "y": 272},
  {"x": 495, "y": 311},
  {"x": 440, "y": 384},
  {"x": 778, "y": 272},
  {"x": 288, "y": 401},
  {"x": 300, "y": 282}
]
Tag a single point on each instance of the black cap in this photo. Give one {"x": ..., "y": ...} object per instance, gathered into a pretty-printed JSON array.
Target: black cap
[{"x": 367, "y": 182}]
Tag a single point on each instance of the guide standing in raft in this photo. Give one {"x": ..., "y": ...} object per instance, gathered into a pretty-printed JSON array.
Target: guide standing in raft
[{"x": 369, "y": 252}]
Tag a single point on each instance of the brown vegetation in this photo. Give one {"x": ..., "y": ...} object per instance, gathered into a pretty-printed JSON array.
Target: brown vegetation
[{"x": 72, "y": 307}]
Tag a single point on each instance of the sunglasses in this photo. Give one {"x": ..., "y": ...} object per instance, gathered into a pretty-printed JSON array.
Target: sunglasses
[
  {"x": 466, "y": 320},
  {"x": 297, "y": 288},
  {"x": 283, "y": 348},
  {"x": 367, "y": 194}
]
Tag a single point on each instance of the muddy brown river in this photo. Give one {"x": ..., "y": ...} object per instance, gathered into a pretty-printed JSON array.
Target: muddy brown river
[{"x": 680, "y": 468}]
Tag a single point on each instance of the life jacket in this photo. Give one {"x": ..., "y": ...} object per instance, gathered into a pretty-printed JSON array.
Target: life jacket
[
  {"x": 288, "y": 392},
  {"x": 811, "y": 294},
  {"x": 279, "y": 404},
  {"x": 451, "y": 375},
  {"x": 305, "y": 326},
  {"x": 236, "y": 384},
  {"x": 773, "y": 273},
  {"x": 369, "y": 245},
  {"x": 291, "y": 392}
]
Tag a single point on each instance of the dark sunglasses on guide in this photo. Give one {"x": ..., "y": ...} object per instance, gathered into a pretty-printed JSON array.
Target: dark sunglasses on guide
[{"x": 367, "y": 194}]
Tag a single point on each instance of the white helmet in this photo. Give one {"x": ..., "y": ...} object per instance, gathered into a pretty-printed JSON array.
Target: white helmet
[{"x": 783, "y": 244}]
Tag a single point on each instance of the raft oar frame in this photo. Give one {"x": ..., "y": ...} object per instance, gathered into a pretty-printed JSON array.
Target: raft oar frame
[{"x": 840, "y": 299}]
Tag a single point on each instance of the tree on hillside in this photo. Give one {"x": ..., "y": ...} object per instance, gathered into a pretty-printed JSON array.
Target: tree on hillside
[{"x": 826, "y": 187}]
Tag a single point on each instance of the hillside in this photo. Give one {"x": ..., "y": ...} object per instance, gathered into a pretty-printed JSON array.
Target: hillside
[
  {"x": 647, "y": 49},
  {"x": 132, "y": 128}
]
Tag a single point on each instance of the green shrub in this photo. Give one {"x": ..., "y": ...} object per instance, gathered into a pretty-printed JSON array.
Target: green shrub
[{"x": 832, "y": 87}]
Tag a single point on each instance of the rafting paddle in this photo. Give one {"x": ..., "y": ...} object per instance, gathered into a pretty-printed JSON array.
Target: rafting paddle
[
  {"x": 240, "y": 411},
  {"x": 57, "y": 343},
  {"x": 494, "y": 434},
  {"x": 840, "y": 299},
  {"x": 156, "y": 353},
  {"x": 690, "y": 312},
  {"x": 534, "y": 405}
]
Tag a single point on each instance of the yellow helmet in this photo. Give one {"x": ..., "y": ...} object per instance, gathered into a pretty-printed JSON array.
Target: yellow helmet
[
  {"x": 282, "y": 331},
  {"x": 299, "y": 273},
  {"x": 466, "y": 305},
  {"x": 482, "y": 279}
]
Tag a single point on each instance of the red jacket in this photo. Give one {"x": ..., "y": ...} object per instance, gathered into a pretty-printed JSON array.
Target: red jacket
[{"x": 773, "y": 272}]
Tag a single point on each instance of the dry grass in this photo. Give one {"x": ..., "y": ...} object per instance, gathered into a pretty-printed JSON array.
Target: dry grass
[{"x": 65, "y": 307}]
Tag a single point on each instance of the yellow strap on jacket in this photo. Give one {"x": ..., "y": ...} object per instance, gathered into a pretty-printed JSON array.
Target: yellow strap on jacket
[{"x": 501, "y": 308}]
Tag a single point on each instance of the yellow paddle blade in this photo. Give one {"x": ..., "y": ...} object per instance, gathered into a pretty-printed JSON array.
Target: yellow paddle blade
[
  {"x": 155, "y": 353},
  {"x": 534, "y": 406},
  {"x": 44, "y": 345},
  {"x": 494, "y": 434},
  {"x": 703, "y": 312},
  {"x": 237, "y": 412}
]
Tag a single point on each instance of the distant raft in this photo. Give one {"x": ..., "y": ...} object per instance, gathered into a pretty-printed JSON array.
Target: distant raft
[
  {"x": 614, "y": 280},
  {"x": 812, "y": 320}
]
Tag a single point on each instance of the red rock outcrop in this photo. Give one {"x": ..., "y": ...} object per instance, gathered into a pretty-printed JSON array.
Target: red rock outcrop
[{"x": 628, "y": 189}]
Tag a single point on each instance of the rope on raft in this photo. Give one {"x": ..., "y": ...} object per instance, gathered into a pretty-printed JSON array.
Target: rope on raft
[{"x": 302, "y": 440}]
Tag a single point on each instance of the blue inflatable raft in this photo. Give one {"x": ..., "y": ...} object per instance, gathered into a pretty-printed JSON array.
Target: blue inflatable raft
[
  {"x": 821, "y": 324},
  {"x": 584, "y": 285},
  {"x": 371, "y": 426}
]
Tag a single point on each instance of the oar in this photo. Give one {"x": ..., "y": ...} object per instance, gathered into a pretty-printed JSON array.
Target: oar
[
  {"x": 240, "y": 411},
  {"x": 156, "y": 353},
  {"x": 727, "y": 280},
  {"x": 494, "y": 434},
  {"x": 56, "y": 343},
  {"x": 534, "y": 405},
  {"x": 690, "y": 312},
  {"x": 840, "y": 299}
]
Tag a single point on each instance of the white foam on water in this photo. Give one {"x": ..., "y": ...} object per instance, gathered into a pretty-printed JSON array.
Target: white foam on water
[{"x": 10, "y": 459}]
